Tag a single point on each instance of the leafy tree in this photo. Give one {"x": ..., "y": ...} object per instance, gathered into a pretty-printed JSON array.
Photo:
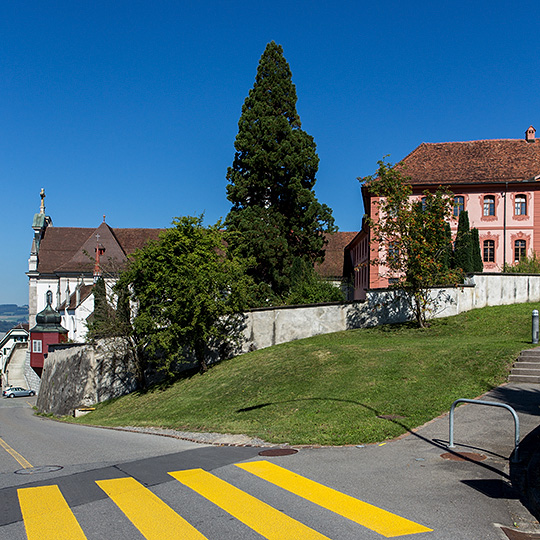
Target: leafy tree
[
  {"x": 189, "y": 295},
  {"x": 275, "y": 216},
  {"x": 478, "y": 264},
  {"x": 308, "y": 288},
  {"x": 463, "y": 247},
  {"x": 411, "y": 237},
  {"x": 447, "y": 255},
  {"x": 111, "y": 321}
]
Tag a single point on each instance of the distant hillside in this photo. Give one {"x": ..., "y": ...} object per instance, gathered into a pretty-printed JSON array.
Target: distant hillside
[{"x": 11, "y": 315}]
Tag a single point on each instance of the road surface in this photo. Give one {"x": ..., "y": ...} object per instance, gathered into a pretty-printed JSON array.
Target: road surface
[{"x": 70, "y": 482}]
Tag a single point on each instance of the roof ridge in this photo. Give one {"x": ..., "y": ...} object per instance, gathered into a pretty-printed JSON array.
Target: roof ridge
[{"x": 473, "y": 141}]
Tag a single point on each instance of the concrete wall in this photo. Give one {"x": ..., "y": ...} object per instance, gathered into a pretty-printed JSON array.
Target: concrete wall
[
  {"x": 81, "y": 375},
  {"x": 266, "y": 327}
]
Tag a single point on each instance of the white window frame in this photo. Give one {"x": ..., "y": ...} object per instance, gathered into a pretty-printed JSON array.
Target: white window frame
[{"x": 37, "y": 346}]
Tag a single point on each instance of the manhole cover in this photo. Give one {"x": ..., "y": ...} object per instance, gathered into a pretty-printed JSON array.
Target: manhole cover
[
  {"x": 36, "y": 470},
  {"x": 463, "y": 456},
  {"x": 278, "y": 452}
]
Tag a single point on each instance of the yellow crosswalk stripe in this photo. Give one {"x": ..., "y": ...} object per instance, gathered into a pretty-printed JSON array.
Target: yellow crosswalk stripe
[
  {"x": 154, "y": 519},
  {"x": 47, "y": 516},
  {"x": 259, "y": 516},
  {"x": 365, "y": 514}
]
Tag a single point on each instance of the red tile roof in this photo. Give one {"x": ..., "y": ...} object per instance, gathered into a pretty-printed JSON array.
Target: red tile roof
[
  {"x": 499, "y": 160},
  {"x": 72, "y": 249},
  {"x": 332, "y": 267}
]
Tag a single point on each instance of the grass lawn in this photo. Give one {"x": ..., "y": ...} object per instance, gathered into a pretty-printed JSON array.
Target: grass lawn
[{"x": 333, "y": 389}]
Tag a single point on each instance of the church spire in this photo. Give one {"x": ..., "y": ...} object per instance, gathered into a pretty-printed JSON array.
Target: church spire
[{"x": 42, "y": 206}]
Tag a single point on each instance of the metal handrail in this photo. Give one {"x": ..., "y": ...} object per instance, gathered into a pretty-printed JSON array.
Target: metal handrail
[{"x": 492, "y": 404}]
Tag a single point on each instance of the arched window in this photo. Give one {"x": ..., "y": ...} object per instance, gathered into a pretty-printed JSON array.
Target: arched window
[
  {"x": 459, "y": 205},
  {"x": 520, "y": 206},
  {"x": 489, "y": 205},
  {"x": 520, "y": 250},
  {"x": 489, "y": 251}
]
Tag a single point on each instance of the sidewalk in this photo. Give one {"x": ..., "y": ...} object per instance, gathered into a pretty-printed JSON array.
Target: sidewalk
[
  {"x": 481, "y": 430},
  {"x": 470, "y": 492}
]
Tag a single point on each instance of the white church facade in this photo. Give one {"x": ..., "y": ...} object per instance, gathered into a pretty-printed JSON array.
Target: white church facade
[{"x": 68, "y": 260}]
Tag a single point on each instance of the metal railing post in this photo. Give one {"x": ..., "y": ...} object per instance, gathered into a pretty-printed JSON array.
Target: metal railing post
[{"x": 492, "y": 404}]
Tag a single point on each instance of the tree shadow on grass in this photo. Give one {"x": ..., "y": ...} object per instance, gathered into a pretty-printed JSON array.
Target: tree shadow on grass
[{"x": 437, "y": 443}]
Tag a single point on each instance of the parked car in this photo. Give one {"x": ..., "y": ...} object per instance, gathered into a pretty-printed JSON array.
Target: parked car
[
  {"x": 9, "y": 387},
  {"x": 17, "y": 391}
]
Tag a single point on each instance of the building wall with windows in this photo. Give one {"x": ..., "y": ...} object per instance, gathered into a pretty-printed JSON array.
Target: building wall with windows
[{"x": 496, "y": 181}]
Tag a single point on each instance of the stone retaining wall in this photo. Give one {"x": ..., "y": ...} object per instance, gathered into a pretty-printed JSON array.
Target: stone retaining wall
[{"x": 81, "y": 375}]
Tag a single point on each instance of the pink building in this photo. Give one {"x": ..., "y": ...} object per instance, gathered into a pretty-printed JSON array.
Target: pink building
[{"x": 496, "y": 181}]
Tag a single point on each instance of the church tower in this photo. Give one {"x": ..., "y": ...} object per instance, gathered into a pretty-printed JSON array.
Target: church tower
[{"x": 39, "y": 224}]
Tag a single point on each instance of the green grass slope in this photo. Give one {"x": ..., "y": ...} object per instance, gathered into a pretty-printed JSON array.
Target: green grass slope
[{"x": 334, "y": 389}]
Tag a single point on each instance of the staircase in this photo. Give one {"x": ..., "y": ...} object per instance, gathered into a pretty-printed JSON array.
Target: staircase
[
  {"x": 15, "y": 367},
  {"x": 526, "y": 368}
]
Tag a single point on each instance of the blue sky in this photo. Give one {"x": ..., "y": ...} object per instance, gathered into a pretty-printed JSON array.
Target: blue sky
[{"x": 130, "y": 108}]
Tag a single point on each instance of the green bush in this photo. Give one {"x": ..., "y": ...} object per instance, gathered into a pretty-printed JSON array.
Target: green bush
[{"x": 527, "y": 265}]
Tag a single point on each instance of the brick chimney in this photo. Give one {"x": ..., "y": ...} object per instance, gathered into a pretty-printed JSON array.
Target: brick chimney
[{"x": 529, "y": 134}]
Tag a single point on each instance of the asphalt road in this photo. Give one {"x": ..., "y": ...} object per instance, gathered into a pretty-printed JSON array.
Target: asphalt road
[{"x": 75, "y": 482}]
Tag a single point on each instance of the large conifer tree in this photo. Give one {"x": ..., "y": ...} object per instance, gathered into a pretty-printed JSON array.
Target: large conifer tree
[
  {"x": 478, "y": 264},
  {"x": 275, "y": 216},
  {"x": 463, "y": 249}
]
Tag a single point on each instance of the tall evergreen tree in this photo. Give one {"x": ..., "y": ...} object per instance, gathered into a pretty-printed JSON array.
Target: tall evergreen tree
[
  {"x": 102, "y": 310},
  {"x": 275, "y": 216},
  {"x": 463, "y": 250},
  {"x": 478, "y": 264}
]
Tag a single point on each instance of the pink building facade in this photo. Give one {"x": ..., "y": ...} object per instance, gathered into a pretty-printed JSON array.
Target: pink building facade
[{"x": 496, "y": 181}]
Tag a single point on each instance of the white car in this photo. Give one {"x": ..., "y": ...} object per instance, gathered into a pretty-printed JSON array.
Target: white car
[{"x": 17, "y": 391}]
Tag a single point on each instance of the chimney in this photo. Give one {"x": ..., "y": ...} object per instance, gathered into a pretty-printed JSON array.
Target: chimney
[{"x": 529, "y": 134}]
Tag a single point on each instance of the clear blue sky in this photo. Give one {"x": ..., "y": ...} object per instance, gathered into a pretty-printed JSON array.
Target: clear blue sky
[{"x": 130, "y": 108}]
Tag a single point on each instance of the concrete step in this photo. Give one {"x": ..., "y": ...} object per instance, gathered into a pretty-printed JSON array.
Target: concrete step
[
  {"x": 534, "y": 379},
  {"x": 525, "y": 371},
  {"x": 526, "y": 368},
  {"x": 530, "y": 353},
  {"x": 15, "y": 368},
  {"x": 527, "y": 360},
  {"x": 522, "y": 364}
]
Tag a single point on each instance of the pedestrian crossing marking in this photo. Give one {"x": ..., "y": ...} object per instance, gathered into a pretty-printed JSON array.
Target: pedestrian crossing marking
[
  {"x": 154, "y": 519},
  {"x": 371, "y": 517},
  {"x": 259, "y": 516},
  {"x": 47, "y": 516}
]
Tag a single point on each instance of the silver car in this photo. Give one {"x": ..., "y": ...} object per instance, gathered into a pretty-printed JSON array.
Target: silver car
[{"x": 17, "y": 391}]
